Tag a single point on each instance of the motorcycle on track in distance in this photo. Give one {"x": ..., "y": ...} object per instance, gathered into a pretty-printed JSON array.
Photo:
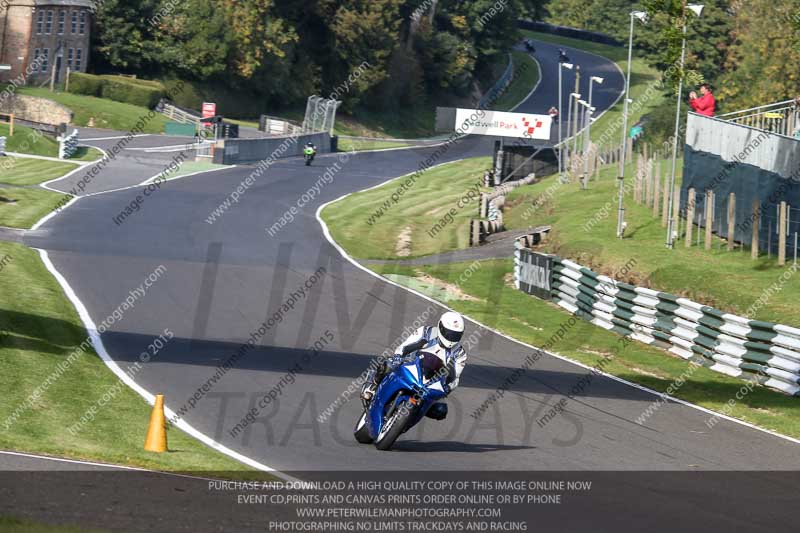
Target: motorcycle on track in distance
[
  {"x": 309, "y": 154},
  {"x": 402, "y": 399}
]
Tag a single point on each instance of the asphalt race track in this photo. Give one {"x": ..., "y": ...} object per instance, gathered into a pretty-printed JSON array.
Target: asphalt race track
[{"x": 220, "y": 282}]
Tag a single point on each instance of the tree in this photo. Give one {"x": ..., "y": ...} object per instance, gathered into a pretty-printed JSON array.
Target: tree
[
  {"x": 123, "y": 39},
  {"x": 763, "y": 59}
]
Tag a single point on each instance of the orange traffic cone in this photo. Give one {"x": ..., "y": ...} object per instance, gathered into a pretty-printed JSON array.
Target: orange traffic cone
[{"x": 156, "y": 440}]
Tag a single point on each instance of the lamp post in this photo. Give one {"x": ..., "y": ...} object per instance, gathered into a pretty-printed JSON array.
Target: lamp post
[
  {"x": 697, "y": 9},
  {"x": 570, "y": 152},
  {"x": 642, "y": 16},
  {"x": 587, "y": 140},
  {"x": 560, "y": 90},
  {"x": 588, "y": 110},
  {"x": 577, "y": 97}
]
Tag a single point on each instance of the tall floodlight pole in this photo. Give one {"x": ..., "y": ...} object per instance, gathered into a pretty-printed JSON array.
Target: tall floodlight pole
[
  {"x": 642, "y": 16},
  {"x": 570, "y": 120},
  {"x": 587, "y": 114},
  {"x": 587, "y": 140},
  {"x": 577, "y": 109},
  {"x": 560, "y": 120},
  {"x": 697, "y": 9}
]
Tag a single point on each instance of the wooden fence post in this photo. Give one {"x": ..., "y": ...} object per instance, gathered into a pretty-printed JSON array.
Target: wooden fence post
[
  {"x": 676, "y": 206},
  {"x": 709, "y": 217},
  {"x": 690, "y": 205},
  {"x": 731, "y": 220},
  {"x": 657, "y": 190},
  {"x": 665, "y": 204},
  {"x": 756, "y": 218},
  {"x": 782, "y": 236}
]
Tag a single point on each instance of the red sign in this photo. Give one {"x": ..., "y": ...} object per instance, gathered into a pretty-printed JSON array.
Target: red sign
[{"x": 209, "y": 109}]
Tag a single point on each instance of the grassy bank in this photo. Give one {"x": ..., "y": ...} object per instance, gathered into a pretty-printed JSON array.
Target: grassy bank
[
  {"x": 350, "y": 145},
  {"x": 28, "y": 141},
  {"x": 372, "y": 226},
  {"x": 25, "y": 171},
  {"x": 99, "y": 112},
  {"x": 23, "y": 207},
  {"x": 495, "y": 303},
  {"x": 643, "y": 76},
  {"x": 527, "y": 78},
  {"x": 37, "y": 333},
  {"x": 730, "y": 281}
]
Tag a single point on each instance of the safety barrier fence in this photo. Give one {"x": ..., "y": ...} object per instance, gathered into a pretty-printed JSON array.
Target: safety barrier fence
[
  {"x": 764, "y": 352},
  {"x": 491, "y": 207},
  {"x": 68, "y": 145},
  {"x": 500, "y": 86}
]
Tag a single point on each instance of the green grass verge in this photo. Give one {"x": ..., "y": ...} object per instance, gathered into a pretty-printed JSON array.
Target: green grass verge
[
  {"x": 584, "y": 227},
  {"x": 351, "y": 145},
  {"x": 643, "y": 76},
  {"x": 730, "y": 281},
  {"x": 534, "y": 321},
  {"x": 104, "y": 113},
  {"x": 405, "y": 225},
  {"x": 29, "y": 171},
  {"x": 23, "y": 207},
  {"x": 522, "y": 84},
  {"x": 407, "y": 123},
  {"x": 40, "y": 331},
  {"x": 28, "y": 141},
  {"x": 11, "y": 524}
]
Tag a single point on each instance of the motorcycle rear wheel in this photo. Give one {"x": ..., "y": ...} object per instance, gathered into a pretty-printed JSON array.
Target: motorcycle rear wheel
[{"x": 394, "y": 425}]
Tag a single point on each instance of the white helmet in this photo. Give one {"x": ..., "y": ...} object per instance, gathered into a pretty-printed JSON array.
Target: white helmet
[{"x": 450, "y": 330}]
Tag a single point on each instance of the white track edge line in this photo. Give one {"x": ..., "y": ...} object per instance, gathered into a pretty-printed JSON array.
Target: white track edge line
[
  {"x": 329, "y": 237},
  {"x": 100, "y": 348}
]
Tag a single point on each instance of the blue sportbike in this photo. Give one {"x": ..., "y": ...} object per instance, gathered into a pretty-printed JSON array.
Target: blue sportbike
[{"x": 402, "y": 399}]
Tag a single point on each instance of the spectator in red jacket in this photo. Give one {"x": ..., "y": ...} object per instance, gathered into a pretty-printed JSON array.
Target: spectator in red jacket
[{"x": 704, "y": 105}]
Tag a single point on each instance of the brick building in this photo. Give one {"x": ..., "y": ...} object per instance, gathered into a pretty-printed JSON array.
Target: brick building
[{"x": 38, "y": 35}]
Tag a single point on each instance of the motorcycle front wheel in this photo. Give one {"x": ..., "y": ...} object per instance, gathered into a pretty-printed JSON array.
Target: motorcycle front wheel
[
  {"x": 360, "y": 433},
  {"x": 394, "y": 425}
]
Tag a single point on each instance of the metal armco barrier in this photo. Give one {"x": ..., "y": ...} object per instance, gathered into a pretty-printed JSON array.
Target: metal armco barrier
[
  {"x": 2, "y": 146},
  {"x": 68, "y": 145},
  {"x": 736, "y": 346}
]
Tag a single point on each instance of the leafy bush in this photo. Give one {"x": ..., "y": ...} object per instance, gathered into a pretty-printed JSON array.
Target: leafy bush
[
  {"x": 85, "y": 84},
  {"x": 133, "y": 91}
]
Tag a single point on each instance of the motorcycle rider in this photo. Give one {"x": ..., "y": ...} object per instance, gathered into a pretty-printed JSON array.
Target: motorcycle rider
[
  {"x": 443, "y": 340},
  {"x": 312, "y": 147}
]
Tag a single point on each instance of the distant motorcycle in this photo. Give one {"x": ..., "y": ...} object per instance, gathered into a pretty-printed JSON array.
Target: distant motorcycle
[
  {"x": 309, "y": 155},
  {"x": 529, "y": 46},
  {"x": 402, "y": 399}
]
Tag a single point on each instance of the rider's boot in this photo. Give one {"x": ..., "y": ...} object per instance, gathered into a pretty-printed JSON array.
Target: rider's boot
[{"x": 375, "y": 375}]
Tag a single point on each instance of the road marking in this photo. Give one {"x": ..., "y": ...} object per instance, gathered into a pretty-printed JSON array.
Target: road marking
[{"x": 100, "y": 348}]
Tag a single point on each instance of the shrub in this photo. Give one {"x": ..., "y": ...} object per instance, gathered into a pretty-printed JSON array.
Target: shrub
[
  {"x": 85, "y": 84},
  {"x": 142, "y": 93}
]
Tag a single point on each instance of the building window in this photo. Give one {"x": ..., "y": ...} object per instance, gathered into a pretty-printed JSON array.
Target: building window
[
  {"x": 35, "y": 64},
  {"x": 78, "y": 58},
  {"x": 62, "y": 18},
  {"x": 48, "y": 27},
  {"x": 83, "y": 23},
  {"x": 40, "y": 22},
  {"x": 74, "y": 22},
  {"x": 70, "y": 55},
  {"x": 45, "y": 59}
]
